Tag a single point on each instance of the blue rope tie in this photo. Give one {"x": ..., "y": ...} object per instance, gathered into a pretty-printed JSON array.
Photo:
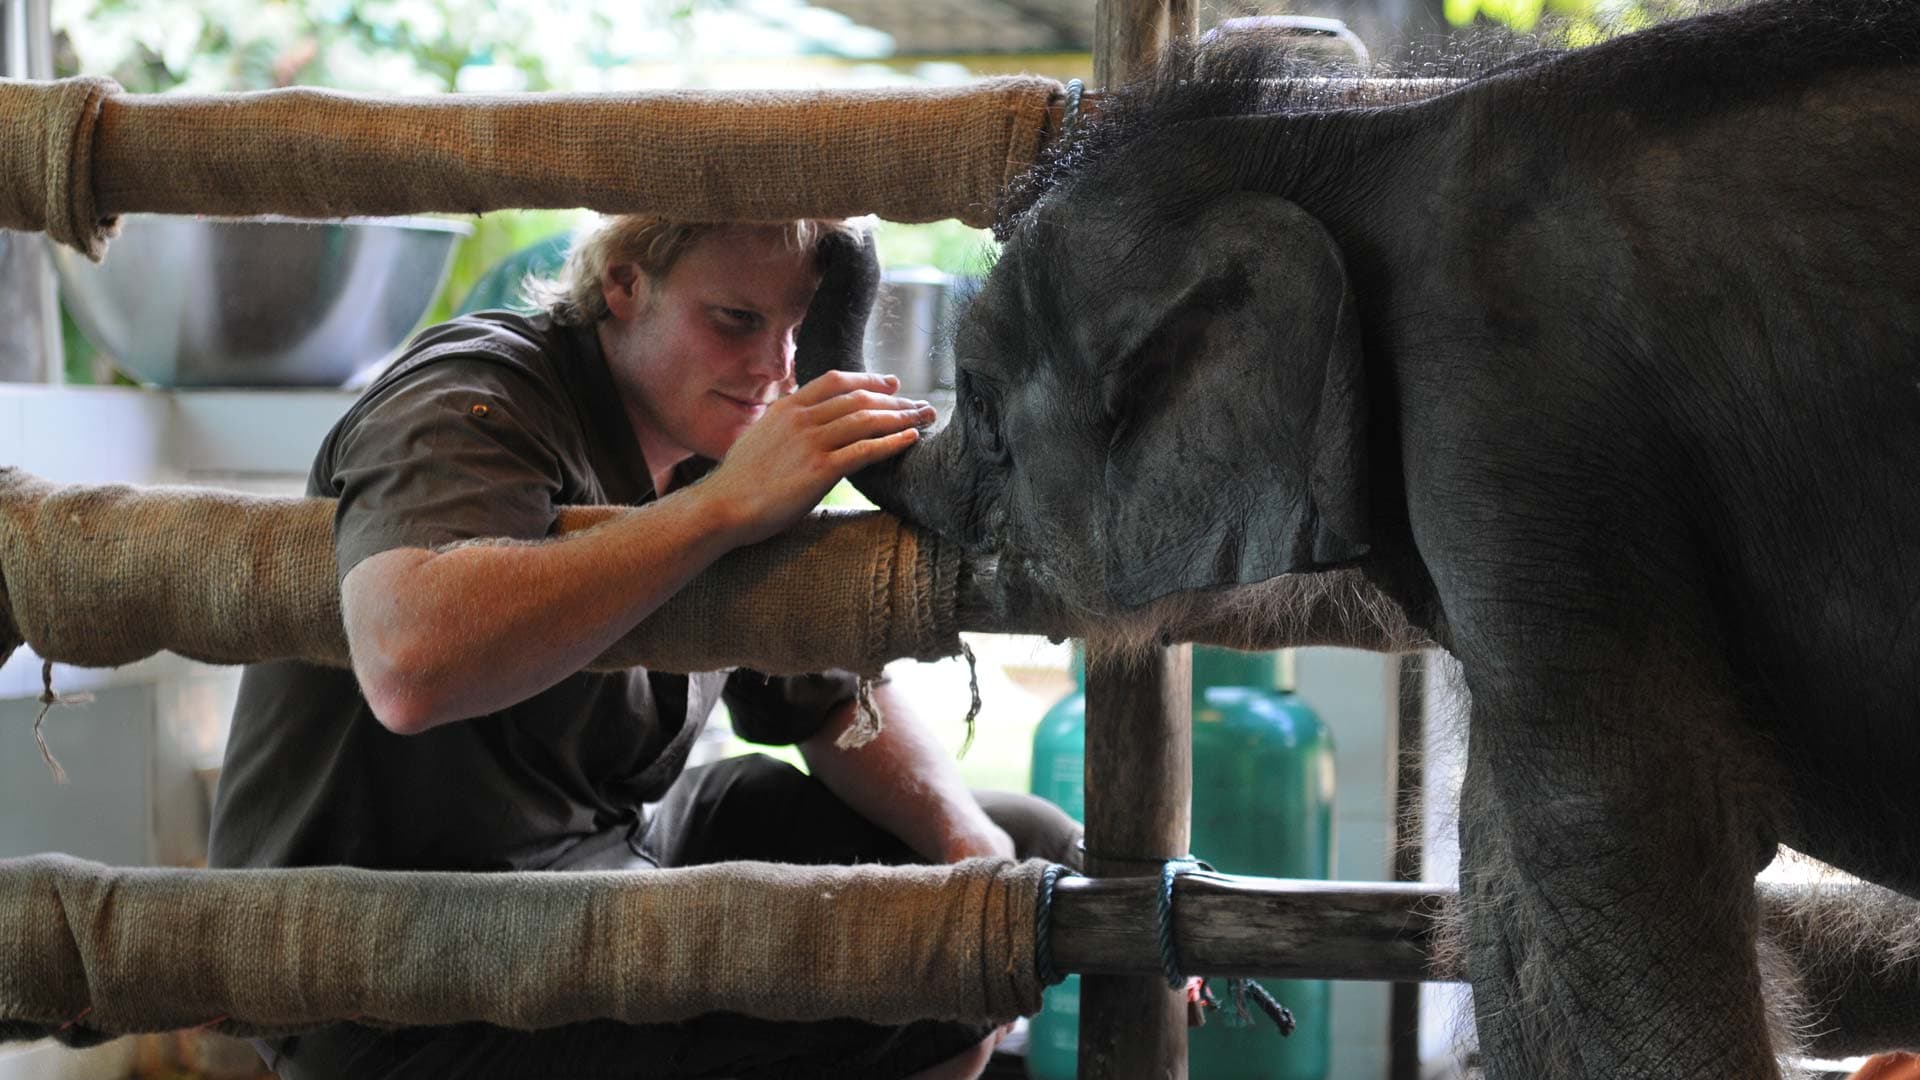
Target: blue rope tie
[
  {"x": 1163, "y": 915},
  {"x": 1043, "y": 927},
  {"x": 1239, "y": 989},
  {"x": 1070, "y": 111}
]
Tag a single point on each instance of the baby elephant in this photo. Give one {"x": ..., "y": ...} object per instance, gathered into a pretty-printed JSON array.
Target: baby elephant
[{"x": 1604, "y": 368}]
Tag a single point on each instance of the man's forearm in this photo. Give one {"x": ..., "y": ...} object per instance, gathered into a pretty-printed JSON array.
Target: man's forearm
[
  {"x": 442, "y": 636},
  {"x": 905, "y": 782}
]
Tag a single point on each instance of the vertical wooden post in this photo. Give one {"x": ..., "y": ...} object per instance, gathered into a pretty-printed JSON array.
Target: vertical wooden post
[
  {"x": 1139, "y": 792},
  {"x": 1128, "y": 36},
  {"x": 1139, "y": 778}
]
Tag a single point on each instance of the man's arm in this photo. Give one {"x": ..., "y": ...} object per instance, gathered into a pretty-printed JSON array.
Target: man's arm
[
  {"x": 439, "y": 636},
  {"x": 905, "y": 782}
]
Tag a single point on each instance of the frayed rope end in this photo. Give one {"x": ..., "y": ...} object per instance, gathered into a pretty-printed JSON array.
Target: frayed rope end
[
  {"x": 866, "y": 724},
  {"x": 48, "y": 699},
  {"x": 973, "y": 685}
]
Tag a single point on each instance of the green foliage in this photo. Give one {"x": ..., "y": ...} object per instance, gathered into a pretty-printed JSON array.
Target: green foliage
[
  {"x": 943, "y": 245},
  {"x": 386, "y": 46},
  {"x": 1569, "y": 22},
  {"x": 495, "y": 236}
]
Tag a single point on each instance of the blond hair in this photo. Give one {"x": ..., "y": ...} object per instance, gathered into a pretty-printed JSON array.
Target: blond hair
[{"x": 574, "y": 296}]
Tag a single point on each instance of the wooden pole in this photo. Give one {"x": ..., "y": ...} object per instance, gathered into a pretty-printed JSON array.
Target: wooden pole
[
  {"x": 1139, "y": 777},
  {"x": 1139, "y": 783},
  {"x": 1128, "y": 36}
]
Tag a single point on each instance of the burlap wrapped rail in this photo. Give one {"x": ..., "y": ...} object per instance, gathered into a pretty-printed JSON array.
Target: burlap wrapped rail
[
  {"x": 907, "y": 154},
  {"x": 103, "y": 575},
  {"x": 46, "y": 160},
  {"x": 91, "y": 950}
]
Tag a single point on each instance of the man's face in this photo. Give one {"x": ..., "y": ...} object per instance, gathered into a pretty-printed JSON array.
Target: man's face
[{"x": 710, "y": 346}]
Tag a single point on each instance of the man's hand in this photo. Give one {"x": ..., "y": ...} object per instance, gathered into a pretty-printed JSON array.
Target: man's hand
[{"x": 785, "y": 463}]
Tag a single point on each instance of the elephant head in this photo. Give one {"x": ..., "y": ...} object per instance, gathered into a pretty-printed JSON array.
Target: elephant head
[{"x": 1160, "y": 389}]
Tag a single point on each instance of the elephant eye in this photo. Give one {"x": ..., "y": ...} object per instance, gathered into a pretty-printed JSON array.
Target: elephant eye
[{"x": 986, "y": 420}]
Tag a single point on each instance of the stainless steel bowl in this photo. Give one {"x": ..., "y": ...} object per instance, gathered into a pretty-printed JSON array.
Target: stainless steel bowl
[
  {"x": 909, "y": 334},
  {"x": 185, "y": 301}
]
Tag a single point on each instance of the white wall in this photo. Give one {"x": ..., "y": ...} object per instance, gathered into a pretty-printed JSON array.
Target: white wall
[{"x": 1357, "y": 694}]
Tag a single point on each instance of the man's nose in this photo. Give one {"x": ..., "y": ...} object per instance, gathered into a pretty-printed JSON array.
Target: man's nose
[{"x": 773, "y": 361}]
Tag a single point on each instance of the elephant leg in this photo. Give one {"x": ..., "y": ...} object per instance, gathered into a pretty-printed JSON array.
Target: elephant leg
[{"x": 1610, "y": 829}]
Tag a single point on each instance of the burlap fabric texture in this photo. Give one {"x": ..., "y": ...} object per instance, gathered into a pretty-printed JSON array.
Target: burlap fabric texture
[
  {"x": 92, "y": 950},
  {"x": 100, "y": 576},
  {"x": 46, "y": 161},
  {"x": 80, "y": 152}
]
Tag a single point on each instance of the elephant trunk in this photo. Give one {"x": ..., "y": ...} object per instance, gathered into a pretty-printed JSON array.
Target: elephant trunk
[
  {"x": 917, "y": 486},
  {"x": 912, "y": 486}
]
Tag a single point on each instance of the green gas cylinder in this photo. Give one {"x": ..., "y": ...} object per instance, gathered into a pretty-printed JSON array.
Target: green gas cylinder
[
  {"x": 1060, "y": 775},
  {"x": 1262, "y": 805}
]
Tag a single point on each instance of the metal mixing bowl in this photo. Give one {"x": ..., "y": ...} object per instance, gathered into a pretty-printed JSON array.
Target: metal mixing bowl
[
  {"x": 911, "y": 329},
  {"x": 186, "y": 301}
]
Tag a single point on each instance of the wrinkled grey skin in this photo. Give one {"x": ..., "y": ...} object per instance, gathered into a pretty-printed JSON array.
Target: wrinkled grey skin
[{"x": 1605, "y": 368}]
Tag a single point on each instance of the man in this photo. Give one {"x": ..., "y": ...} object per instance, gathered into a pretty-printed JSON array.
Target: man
[{"x": 466, "y": 736}]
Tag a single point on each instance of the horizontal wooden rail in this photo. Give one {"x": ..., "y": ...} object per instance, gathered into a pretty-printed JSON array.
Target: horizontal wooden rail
[{"x": 1252, "y": 926}]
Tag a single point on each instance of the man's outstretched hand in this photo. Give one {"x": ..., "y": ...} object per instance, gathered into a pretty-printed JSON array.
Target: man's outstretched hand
[{"x": 839, "y": 423}]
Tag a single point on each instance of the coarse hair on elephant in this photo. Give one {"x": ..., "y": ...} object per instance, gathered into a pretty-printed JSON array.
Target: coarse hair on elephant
[{"x": 1601, "y": 371}]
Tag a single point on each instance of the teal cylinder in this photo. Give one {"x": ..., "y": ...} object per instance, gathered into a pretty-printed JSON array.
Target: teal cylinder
[
  {"x": 1262, "y": 805},
  {"x": 1059, "y": 775}
]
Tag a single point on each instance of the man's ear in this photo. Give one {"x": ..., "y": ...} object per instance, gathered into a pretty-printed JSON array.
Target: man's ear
[
  {"x": 627, "y": 289},
  {"x": 1239, "y": 451}
]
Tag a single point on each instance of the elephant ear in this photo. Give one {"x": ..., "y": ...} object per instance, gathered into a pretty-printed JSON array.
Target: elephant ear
[{"x": 1239, "y": 447}]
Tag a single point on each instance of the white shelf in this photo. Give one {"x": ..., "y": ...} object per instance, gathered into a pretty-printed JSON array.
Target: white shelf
[
  {"x": 270, "y": 432},
  {"x": 110, "y": 434},
  {"x": 261, "y": 441},
  {"x": 48, "y": 1060}
]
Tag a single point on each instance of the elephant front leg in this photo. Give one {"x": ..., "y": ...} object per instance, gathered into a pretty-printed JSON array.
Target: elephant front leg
[{"x": 1609, "y": 840}]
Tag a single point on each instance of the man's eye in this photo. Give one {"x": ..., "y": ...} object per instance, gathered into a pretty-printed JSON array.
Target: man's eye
[{"x": 741, "y": 317}]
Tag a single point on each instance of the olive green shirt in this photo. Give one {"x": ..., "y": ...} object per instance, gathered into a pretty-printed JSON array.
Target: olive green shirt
[{"x": 482, "y": 428}]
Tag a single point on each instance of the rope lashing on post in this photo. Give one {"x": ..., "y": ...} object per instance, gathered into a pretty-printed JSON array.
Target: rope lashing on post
[
  {"x": 1070, "y": 111},
  {"x": 1043, "y": 967},
  {"x": 1239, "y": 989}
]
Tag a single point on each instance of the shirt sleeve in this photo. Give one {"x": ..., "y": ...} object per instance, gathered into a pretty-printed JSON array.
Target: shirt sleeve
[
  {"x": 456, "y": 450},
  {"x": 787, "y": 709}
]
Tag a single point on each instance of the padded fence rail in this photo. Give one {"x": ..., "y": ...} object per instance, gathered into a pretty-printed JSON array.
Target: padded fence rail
[
  {"x": 103, "y": 575},
  {"x": 88, "y": 951},
  {"x": 80, "y": 152}
]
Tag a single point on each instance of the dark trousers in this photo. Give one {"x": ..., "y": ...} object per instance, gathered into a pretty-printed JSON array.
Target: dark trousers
[{"x": 746, "y": 808}]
